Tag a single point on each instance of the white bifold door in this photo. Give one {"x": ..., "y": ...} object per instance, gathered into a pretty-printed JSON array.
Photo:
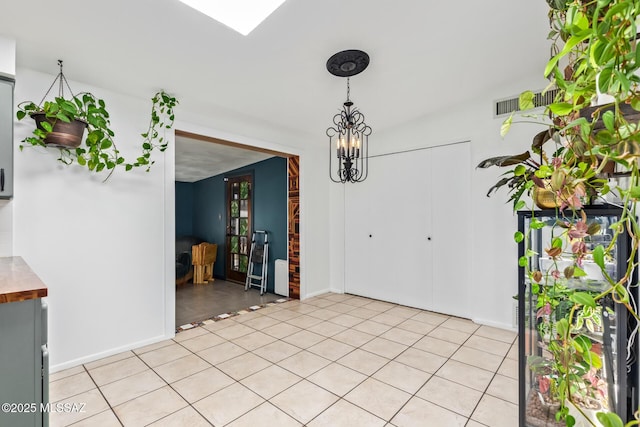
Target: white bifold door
[{"x": 407, "y": 230}]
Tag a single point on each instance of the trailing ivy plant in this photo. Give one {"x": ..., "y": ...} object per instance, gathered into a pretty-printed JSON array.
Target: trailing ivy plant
[
  {"x": 162, "y": 117},
  {"x": 594, "y": 119},
  {"x": 98, "y": 151}
]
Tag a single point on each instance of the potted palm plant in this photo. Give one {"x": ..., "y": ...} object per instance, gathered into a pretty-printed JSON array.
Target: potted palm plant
[{"x": 61, "y": 123}]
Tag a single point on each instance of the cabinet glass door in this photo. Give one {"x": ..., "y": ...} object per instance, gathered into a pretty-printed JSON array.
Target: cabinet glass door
[{"x": 600, "y": 379}]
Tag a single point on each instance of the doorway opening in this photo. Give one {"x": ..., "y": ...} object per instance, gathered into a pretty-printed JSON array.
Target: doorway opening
[{"x": 224, "y": 192}]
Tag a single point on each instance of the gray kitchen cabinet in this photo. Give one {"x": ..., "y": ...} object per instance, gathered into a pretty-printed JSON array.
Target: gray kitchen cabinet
[
  {"x": 6, "y": 138},
  {"x": 24, "y": 364}
]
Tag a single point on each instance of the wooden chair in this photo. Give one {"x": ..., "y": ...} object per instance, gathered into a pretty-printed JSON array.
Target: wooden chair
[{"x": 204, "y": 258}]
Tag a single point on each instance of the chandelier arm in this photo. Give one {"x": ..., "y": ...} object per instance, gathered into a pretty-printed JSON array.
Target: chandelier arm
[
  {"x": 332, "y": 129},
  {"x": 365, "y": 159},
  {"x": 339, "y": 174}
]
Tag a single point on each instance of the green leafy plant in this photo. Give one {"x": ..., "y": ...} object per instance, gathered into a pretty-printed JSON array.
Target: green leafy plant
[
  {"x": 519, "y": 179},
  {"x": 162, "y": 117},
  {"x": 572, "y": 373},
  {"x": 593, "y": 121},
  {"x": 609, "y": 419},
  {"x": 98, "y": 150}
]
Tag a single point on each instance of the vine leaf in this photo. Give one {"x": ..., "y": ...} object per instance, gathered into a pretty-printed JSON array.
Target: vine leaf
[
  {"x": 583, "y": 298},
  {"x": 598, "y": 256}
]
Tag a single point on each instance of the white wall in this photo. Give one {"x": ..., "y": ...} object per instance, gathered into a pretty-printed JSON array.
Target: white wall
[
  {"x": 99, "y": 247},
  {"x": 315, "y": 220},
  {"x": 336, "y": 237},
  {"x": 493, "y": 262},
  {"x": 106, "y": 250},
  {"x": 112, "y": 289}
]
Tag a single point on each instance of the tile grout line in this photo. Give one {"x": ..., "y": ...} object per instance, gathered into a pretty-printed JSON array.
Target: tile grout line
[
  {"x": 411, "y": 346},
  {"x": 324, "y": 339},
  {"x": 390, "y": 360},
  {"x": 170, "y": 386},
  {"x": 431, "y": 375},
  {"x": 152, "y": 369},
  {"x": 103, "y": 396},
  {"x": 331, "y": 361},
  {"x": 484, "y": 393},
  {"x": 370, "y": 376},
  {"x": 301, "y": 378},
  {"x": 149, "y": 392}
]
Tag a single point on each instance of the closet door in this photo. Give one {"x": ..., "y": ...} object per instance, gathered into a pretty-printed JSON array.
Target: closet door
[
  {"x": 386, "y": 250},
  {"x": 407, "y": 230},
  {"x": 368, "y": 230},
  {"x": 382, "y": 225},
  {"x": 410, "y": 254},
  {"x": 357, "y": 228},
  {"x": 451, "y": 228}
]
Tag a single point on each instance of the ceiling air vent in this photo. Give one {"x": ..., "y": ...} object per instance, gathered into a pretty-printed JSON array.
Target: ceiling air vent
[{"x": 507, "y": 106}]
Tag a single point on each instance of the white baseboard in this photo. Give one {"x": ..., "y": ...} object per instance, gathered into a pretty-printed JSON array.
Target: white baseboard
[
  {"x": 315, "y": 294},
  {"x": 499, "y": 325},
  {"x": 107, "y": 353}
]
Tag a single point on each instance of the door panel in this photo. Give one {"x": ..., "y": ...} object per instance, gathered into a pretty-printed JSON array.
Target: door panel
[
  {"x": 358, "y": 270},
  {"x": 413, "y": 269},
  {"x": 238, "y": 227},
  {"x": 451, "y": 229},
  {"x": 380, "y": 216}
]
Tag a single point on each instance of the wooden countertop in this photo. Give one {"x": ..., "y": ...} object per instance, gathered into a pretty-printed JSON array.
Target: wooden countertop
[{"x": 18, "y": 282}]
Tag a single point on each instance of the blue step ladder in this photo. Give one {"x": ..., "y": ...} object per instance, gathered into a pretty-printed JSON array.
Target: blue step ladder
[{"x": 258, "y": 258}]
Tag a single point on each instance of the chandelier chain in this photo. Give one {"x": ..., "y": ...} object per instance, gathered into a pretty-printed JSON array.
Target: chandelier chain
[{"x": 348, "y": 89}]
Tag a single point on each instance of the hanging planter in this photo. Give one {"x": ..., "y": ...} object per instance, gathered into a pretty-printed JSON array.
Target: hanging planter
[
  {"x": 597, "y": 112},
  {"x": 62, "y": 134},
  {"x": 61, "y": 123},
  {"x": 544, "y": 198}
]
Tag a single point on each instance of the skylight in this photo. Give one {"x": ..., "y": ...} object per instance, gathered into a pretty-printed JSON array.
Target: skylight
[{"x": 241, "y": 15}]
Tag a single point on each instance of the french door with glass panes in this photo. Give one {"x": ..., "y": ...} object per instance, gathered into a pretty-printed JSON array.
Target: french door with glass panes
[{"x": 238, "y": 227}]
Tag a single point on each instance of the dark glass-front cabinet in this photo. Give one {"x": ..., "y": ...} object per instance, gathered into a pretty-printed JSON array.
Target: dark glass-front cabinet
[{"x": 609, "y": 330}]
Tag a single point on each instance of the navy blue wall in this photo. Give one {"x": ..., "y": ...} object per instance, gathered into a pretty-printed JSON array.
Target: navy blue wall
[
  {"x": 269, "y": 210},
  {"x": 184, "y": 209}
]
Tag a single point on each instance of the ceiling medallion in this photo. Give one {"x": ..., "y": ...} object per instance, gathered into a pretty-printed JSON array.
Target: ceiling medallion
[{"x": 348, "y": 63}]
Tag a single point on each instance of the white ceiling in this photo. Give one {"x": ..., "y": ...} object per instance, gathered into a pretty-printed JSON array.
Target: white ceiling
[
  {"x": 196, "y": 160},
  {"x": 425, "y": 56}
]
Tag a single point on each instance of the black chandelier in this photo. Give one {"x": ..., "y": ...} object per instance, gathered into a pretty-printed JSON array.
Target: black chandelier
[{"x": 350, "y": 130}]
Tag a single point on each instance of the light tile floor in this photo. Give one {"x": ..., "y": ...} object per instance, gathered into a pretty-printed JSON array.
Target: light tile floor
[{"x": 332, "y": 360}]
